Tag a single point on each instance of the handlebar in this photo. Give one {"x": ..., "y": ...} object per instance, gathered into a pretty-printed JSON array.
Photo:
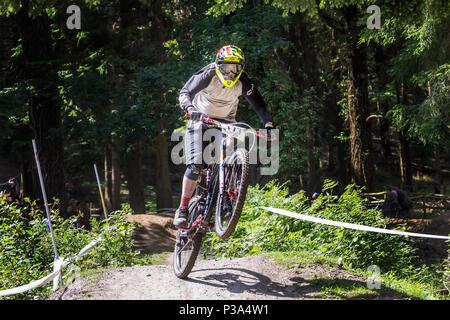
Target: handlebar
[{"x": 205, "y": 119}]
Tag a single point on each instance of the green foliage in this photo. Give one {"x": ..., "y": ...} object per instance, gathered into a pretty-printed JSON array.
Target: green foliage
[
  {"x": 24, "y": 254},
  {"x": 118, "y": 82},
  {"x": 26, "y": 250},
  {"x": 260, "y": 230},
  {"x": 419, "y": 29},
  {"x": 446, "y": 272},
  {"x": 12, "y": 108},
  {"x": 116, "y": 248},
  {"x": 430, "y": 122}
]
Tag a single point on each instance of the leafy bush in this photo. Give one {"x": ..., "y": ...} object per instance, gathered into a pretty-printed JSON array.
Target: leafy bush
[
  {"x": 260, "y": 230},
  {"x": 116, "y": 248},
  {"x": 26, "y": 250}
]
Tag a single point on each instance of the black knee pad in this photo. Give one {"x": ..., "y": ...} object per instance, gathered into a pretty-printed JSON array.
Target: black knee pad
[{"x": 193, "y": 171}]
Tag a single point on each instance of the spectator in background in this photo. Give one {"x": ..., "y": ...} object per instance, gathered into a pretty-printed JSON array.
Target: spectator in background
[
  {"x": 11, "y": 188},
  {"x": 314, "y": 197},
  {"x": 81, "y": 211},
  {"x": 84, "y": 214},
  {"x": 398, "y": 203}
]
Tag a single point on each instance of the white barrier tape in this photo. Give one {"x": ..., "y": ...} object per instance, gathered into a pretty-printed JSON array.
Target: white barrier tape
[
  {"x": 351, "y": 225},
  {"x": 59, "y": 264}
]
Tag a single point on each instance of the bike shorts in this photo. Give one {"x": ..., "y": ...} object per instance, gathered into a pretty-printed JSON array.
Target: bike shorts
[{"x": 202, "y": 144}]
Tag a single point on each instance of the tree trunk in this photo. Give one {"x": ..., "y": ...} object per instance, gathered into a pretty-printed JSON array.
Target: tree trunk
[
  {"x": 115, "y": 175},
  {"x": 437, "y": 166},
  {"x": 338, "y": 148},
  {"x": 385, "y": 138},
  {"x": 163, "y": 183},
  {"x": 108, "y": 177},
  {"x": 313, "y": 162},
  {"x": 302, "y": 57},
  {"x": 381, "y": 62},
  {"x": 135, "y": 180},
  {"x": 45, "y": 112},
  {"x": 405, "y": 162},
  {"x": 112, "y": 175},
  {"x": 438, "y": 183},
  {"x": 360, "y": 138},
  {"x": 28, "y": 185},
  {"x": 309, "y": 62},
  {"x": 358, "y": 107},
  {"x": 405, "y": 153}
]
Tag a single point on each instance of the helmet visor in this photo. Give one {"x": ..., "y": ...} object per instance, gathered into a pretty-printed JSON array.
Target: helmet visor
[{"x": 234, "y": 68}]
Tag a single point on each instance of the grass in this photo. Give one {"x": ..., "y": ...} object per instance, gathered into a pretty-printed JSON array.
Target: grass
[
  {"x": 414, "y": 288},
  {"x": 328, "y": 277},
  {"x": 328, "y": 280},
  {"x": 150, "y": 259},
  {"x": 338, "y": 289}
]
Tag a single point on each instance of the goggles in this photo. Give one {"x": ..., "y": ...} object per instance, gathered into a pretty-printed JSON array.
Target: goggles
[{"x": 230, "y": 67}]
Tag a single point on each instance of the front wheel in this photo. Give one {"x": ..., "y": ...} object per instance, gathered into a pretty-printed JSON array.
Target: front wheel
[
  {"x": 187, "y": 244},
  {"x": 231, "y": 202}
]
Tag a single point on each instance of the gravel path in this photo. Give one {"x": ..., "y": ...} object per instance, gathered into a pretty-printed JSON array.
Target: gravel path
[{"x": 227, "y": 279}]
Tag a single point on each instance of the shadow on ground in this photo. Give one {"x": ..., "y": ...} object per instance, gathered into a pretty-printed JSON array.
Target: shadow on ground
[{"x": 241, "y": 280}]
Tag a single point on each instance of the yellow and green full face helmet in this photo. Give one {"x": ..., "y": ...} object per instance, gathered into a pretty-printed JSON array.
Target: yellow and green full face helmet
[{"x": 229, "y": 65}]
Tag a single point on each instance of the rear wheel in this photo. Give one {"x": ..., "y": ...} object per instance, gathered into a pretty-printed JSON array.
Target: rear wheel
[
  {"x": 187, "y": 243},
  {"x": 231, "y": 203}
]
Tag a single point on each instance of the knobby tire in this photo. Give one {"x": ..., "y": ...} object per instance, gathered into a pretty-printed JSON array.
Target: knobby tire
[
  {"x": 239, "y": 156},
  {"x": 183, "y": 266}
]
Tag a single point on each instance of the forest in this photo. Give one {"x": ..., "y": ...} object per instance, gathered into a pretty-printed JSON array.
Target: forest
[{"x": 358, "y": 90}]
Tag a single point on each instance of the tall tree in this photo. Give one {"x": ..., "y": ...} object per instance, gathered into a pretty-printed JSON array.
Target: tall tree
[
  {"x": 419, "y": 54},
  {"x": 302, "y": 57},
  {"x": 361, "y": 158},
  {"x": 39, "y": 70},
  {"x": 344, "y": 19}
]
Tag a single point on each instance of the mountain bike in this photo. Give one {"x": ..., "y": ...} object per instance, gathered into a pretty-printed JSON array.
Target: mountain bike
[{"x": 221, "y": 192}]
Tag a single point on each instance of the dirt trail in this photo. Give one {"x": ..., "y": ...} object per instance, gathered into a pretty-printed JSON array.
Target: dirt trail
[
  {"x": 251, "y": 278},
  {"x": 243, "y": 278}
]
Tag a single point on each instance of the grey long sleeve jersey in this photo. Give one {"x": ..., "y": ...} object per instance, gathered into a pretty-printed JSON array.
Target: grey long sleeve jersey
[{"x": 208, "y": 95}]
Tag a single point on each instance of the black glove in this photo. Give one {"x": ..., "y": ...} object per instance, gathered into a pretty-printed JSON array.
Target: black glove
[{"x": 193, "y": 113}]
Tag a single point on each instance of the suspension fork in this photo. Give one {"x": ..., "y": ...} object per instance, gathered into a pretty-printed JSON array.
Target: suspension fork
[
  {"x": 216, "y": 185},
  {"x": 221, "y": 174},
  {"x": 222, "y": 166},
  {"x": 211, "y": 194}
]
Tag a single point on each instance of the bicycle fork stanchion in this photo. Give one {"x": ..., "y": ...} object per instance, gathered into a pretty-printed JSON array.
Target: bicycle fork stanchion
[
  {"x": 101, "y": 194},
  {"x": 221, "y": 175},
  {"x": 56, "y": 263}
]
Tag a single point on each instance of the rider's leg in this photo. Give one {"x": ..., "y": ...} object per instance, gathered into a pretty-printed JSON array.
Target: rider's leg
[
  {"x": 187, "y": 191},
  {"x": 194, "y": 161},
  {"x": 189, "y": 184}
]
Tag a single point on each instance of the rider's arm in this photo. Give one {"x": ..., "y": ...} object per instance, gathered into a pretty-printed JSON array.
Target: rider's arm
[
  {"x": 254, "y": 97},
  {"x": 196, "y": 83}
]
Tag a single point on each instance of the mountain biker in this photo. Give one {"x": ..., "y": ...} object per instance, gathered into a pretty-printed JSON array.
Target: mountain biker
[{"x": 214, "y": 91}]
